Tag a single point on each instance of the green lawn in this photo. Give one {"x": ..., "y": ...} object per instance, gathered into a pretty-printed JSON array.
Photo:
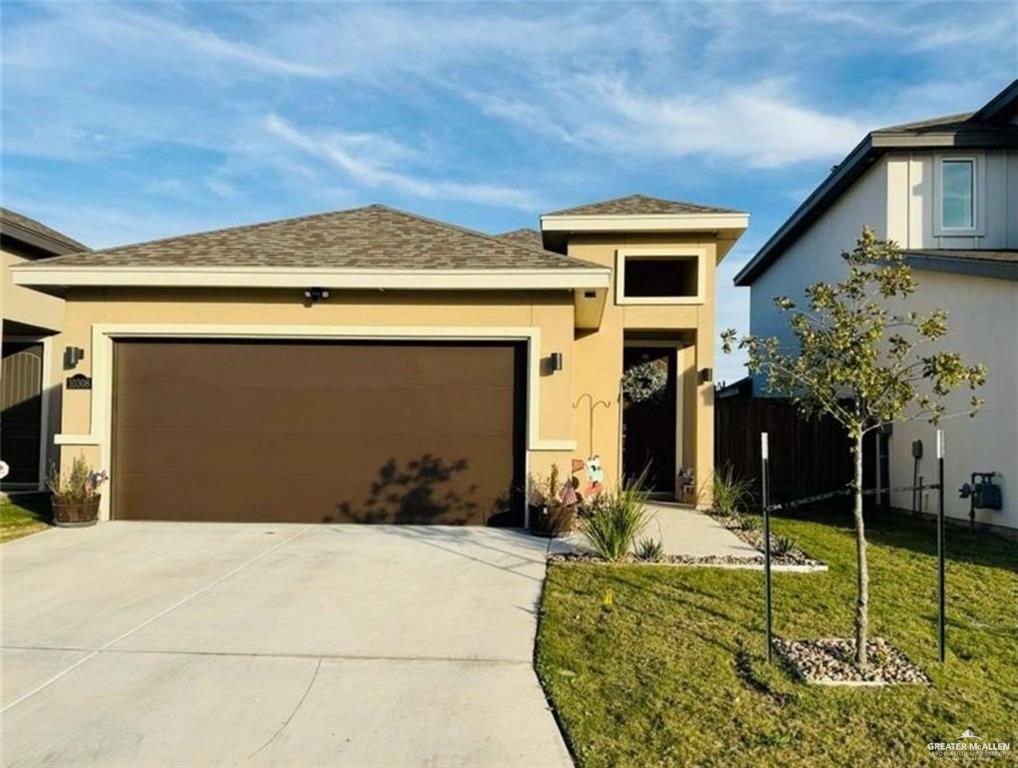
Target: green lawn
[
  {"x": 30, "y": 514},
  {"x": 673, "y": 671}
]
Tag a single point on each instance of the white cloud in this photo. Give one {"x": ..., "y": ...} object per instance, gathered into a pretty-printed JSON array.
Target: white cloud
[
  {"x": 760, "y": 124},
  {"x": 368, "y": 159},
  {"x": 501, "y": 91},
  {"x": 68, "y": 30}
]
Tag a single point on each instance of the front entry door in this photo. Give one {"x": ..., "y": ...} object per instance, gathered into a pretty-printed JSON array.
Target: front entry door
[{"x": 649, "y": 417}]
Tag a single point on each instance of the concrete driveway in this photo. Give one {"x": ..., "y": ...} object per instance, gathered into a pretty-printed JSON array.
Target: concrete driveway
[{"x": 166, "y": 644}]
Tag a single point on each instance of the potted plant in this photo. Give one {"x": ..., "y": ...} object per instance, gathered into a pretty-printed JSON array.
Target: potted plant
[
  {"x": 75, "y": 495},
  {"x": 552, "y": 506}
]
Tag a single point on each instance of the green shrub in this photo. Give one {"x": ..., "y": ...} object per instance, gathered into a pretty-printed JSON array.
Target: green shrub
[
  {"x": 731, "y": 493},
  {"x": 615, "y": 520},
  {"x": 750, "y": 522},
  {"x": 783, "y": 545},
  {"x": 80, "y": 483},
  {"x": 650, "y": 550}
]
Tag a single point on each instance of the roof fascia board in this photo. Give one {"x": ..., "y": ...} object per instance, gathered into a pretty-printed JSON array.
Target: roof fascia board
[
  {"x": 988, "y": 138},
  {"x": 238, "y": 277},
  {"x": 668, "y": 222}
]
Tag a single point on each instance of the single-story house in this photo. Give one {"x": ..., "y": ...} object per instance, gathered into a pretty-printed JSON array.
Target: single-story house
[
  {"x": 946, "y": 190},
  {"x": 371, "y": 365},
  {"x": 29, "y": 395}
]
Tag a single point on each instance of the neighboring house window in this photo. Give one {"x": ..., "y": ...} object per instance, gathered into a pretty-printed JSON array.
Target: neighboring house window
[
  {"x": 958, "y": 194},
  {"x": 660, "y": 275},
  {"x": 958, "y": 189}
]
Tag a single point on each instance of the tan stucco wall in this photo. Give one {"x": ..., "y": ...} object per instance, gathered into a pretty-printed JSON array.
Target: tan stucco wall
[
  {"x": 592, "y": 359},
  {"x": 549, "y": 311},
  {"x": 599, "y": 355},
  {"x": 25, "y": 305}
]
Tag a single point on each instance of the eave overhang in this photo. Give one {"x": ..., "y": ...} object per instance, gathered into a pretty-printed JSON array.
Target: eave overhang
[
  {"x": 972, "y": 267},
  {"x": 41, "y": 241},
  {"x": 40, "y": 275},
  {"x": 727, "y": 227}
]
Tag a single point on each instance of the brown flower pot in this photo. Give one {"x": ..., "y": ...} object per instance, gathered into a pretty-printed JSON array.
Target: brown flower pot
[{"x": 75, "y": 513}]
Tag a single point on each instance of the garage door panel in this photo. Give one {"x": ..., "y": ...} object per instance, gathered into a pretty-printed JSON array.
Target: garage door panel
[
  {"x": 332, "y": 365},
  {"x": 346, "y": 410},
  {"x": 155, "y": 452},
  {"x": 402, "y": 495},
  {"x": 195, "y": 441}
]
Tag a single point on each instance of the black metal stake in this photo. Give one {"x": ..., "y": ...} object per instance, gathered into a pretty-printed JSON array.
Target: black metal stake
[
  {"x": 765, "y": 482},
  {"x": 941, "y": 618}
]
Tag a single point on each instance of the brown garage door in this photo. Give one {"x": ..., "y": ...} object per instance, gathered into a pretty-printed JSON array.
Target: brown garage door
[{"x": 318, "y": 432}]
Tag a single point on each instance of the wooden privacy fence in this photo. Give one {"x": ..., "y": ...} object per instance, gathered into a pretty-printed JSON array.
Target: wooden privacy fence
[{"x": 806, "y": 456}]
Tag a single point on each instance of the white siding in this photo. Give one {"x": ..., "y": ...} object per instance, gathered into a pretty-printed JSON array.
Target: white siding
[
  {"x": 816, "y": 254},
  {"x": 912, "y": 200},
  {"x": 983, "y": 318}
]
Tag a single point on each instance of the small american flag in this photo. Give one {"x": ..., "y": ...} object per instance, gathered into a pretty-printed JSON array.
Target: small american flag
[{"x": 569, "y": 495}]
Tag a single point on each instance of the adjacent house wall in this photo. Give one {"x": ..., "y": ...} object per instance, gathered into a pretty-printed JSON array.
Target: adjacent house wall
[
  {"x": 897, "y": 197},
  {"x": 815, "y": 255},
  {"x": 46, "y": 314},
  {"x": 25, "y": 305},
  {"x": 983, "y": 319}
]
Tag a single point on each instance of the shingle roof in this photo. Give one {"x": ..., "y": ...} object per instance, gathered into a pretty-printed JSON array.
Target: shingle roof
[
  {"x": 525, "y": 236},
  {"x": 945, "y": 123},
  {"x": 12, "y": 221},
  {"x": 373, "y": 237},
  {"x": 639, "y": 205}
]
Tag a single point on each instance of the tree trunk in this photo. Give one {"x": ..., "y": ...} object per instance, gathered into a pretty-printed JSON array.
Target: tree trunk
[{"x": 862, "y": 619}]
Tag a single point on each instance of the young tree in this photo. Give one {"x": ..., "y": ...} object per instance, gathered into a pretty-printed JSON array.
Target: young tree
[{"x": 862, "y": 365}]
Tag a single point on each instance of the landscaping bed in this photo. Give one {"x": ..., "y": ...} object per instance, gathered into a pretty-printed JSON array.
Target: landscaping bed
[
  {"x": 756, "y": 562},
  {"x": 831, "y": 661},
  {"x": 749, "y": 528},
  {"x": 666, "y": 666}
]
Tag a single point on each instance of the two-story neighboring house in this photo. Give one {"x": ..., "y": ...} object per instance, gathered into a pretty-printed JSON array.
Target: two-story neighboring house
[
  {"x": 29, "y": 377},
  {"x": 946, "y": 190}
]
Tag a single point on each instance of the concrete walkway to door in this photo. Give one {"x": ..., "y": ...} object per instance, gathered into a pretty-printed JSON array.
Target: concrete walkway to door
[
  {"x": 681, "y": 530},
  {"x": 203, "y": 644}
]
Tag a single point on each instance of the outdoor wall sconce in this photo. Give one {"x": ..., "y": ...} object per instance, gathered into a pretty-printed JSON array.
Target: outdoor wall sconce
[
  {"x": 706, "y": 374},
  {"x": 556, "y": 361},
  {"x": 73, "y": 356},
  {"x": 314, "y": 295}
]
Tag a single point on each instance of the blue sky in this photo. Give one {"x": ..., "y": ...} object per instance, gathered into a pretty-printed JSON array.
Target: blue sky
[{"x": 123, "y": 123}]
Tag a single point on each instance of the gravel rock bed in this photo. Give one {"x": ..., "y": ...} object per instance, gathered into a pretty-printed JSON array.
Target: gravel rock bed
[
  {"x": 754, "y": 537},
  {"x": 831, "y": 661},
  {"x": 730, "y": 561}
]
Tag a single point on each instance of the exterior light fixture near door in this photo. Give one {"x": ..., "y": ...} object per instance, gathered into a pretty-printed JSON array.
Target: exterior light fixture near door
[
  {"x": 73, "y": 356},
  {"x": 706, "y": 375},
  {"x": 556, "y": 361}
]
